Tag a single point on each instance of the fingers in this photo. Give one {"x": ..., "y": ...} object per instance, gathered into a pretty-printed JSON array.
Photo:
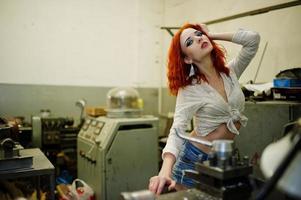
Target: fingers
[
  {"x": 172, "y": 185},
  {"x": 204, "y": 28},
  {"x": 153, "y": 184},
  {"x": 157, "y": 183},
  {"x": 161, "y": 186}
]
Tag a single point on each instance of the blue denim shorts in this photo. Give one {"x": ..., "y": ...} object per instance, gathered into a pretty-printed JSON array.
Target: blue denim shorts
[{"x": 186, "y": 160}]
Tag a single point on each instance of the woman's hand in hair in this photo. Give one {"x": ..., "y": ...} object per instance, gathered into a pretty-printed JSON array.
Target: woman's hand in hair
[{"x": 205, "y": 29}]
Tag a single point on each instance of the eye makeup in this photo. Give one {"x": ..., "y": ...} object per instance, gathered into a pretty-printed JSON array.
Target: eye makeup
[{"x": 189, "y": 40}]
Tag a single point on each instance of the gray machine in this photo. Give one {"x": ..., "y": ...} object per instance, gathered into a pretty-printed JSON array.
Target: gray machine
[
  {"x": 11, "y": 157},
  {"x": 117, "y": 154}
]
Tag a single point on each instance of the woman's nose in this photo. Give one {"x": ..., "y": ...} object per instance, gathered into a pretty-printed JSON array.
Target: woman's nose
[{"x": 198, "y": 38}]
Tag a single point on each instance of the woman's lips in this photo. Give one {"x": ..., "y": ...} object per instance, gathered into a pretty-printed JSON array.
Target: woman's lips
[{"x": 204, "y": 45}]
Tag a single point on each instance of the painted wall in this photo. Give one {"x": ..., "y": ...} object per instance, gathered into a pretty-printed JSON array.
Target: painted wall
[{"x": 83, "y": 43}]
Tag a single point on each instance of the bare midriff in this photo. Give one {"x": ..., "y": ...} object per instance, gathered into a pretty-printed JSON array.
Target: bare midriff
[{"x": 222, "y": 132}]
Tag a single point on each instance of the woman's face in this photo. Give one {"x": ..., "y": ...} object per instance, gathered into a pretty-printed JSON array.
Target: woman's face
[{"x": 195, "y": 45}]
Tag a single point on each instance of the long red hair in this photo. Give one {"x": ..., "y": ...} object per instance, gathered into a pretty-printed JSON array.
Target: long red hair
[{"x": 178, "y": 70}]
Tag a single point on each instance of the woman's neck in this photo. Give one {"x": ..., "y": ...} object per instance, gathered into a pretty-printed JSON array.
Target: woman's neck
[{"x": 206, "y": 67}]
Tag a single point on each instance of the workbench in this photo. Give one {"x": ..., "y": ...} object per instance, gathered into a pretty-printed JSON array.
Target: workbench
[{"x": 41, "y": 167}]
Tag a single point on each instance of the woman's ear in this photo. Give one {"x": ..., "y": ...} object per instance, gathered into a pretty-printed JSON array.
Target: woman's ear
[{"x": 187, "y": 60}]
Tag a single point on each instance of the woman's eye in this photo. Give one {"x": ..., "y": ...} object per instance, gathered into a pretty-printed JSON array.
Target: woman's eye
[
  {"x": 198, "y": 33},
  {"x": 189, "y": 42}
]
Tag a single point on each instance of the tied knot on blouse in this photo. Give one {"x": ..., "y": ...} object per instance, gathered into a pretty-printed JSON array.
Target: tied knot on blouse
[{"x": 236, "y": 116}]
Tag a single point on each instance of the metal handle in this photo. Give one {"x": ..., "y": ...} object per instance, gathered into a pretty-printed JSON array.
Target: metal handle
[
  {"x": 81, "y": 103},
  {"x": 193, "y": 139}
]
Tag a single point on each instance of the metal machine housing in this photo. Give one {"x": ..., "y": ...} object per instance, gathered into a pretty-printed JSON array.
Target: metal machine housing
[{"x": 117, "y": 154}]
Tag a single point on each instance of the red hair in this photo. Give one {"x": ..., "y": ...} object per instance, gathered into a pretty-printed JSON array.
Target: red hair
[{"x": 178, "y": 70}]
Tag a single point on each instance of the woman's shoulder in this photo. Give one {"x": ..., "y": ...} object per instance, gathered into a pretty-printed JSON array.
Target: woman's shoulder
[{"x": 231, "y": 70}]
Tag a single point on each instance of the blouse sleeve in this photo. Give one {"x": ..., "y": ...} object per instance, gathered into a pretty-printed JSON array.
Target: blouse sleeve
[
  {"x": 250, "y": 42},
  {"x": 187, "y": 104}
]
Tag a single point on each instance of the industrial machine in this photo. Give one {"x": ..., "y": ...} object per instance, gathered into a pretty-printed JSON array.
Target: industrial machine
[
  {"x": 54, "y": 134},
  {"x": 225, "y": 176},
  {"x": 281, "y": 164},
  {"x": 10, "y": 155},
  {"x": 57, "y": 138},
  {"x": 117, "y": 154}
]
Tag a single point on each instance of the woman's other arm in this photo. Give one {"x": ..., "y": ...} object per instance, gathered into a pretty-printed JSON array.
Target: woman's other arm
[
  {"x": 250, "y": 42},
  {"x": 157, "y": 183},
  {"x": 248, "y": 39},
  {"x": 186, "y": 105}
]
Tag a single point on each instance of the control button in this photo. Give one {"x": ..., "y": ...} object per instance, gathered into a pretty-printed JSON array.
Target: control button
[
  {"x": 97, "y": 141},
  {"x": 85, "y": 126},
  {"x": 87, "y": 136},
  {"x": 94, "y": 123},
  {"x": 100, "y": 124},
  {"x": 97, "y": 131}
]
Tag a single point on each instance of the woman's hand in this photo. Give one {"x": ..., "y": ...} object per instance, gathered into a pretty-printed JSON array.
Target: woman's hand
[
  {"x": 204, "y": 28},
  {"x": 157, "y": 184}
]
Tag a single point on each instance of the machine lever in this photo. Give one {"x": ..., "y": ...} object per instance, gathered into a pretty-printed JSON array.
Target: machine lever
[
  {"x": 81, "y": 104},
  {"x": 193, "y": 139}
]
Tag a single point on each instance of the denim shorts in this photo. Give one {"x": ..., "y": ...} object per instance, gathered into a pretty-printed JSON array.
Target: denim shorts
[{"x": 186, "y": 160}]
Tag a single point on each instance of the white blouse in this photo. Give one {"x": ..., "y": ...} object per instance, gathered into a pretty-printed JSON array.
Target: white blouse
[{"x": 206, "y": 105}]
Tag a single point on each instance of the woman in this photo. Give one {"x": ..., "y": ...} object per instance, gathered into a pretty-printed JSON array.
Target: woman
[{"x": 207, "y": 89}]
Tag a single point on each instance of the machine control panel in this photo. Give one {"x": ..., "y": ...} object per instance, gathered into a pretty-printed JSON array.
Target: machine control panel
[
  {"x": 92, "y": 128},
  {"x": 98, "y": 127},
  {"x": 86, "y": 124},
  {"x": 98, "y": 130}
]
